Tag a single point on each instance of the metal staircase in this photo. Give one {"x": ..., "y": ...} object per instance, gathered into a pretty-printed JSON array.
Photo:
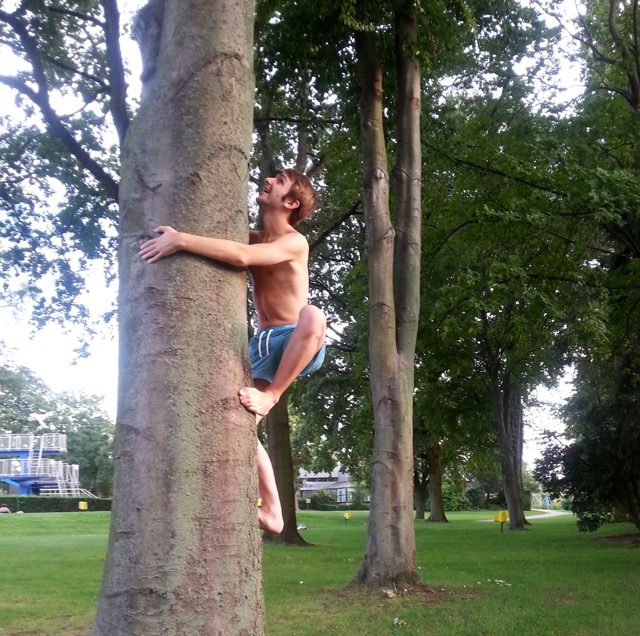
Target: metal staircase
[{"x": 25, "y": 466}]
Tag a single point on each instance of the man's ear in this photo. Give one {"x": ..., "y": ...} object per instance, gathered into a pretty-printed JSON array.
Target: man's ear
[{"x": 291, "y": 204}]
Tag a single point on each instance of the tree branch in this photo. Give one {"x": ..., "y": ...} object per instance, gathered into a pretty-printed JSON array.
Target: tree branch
[
  {"x": 117, "y": 83},
  {"x": 336, "y": 224},
  {"x": 88, "y": 76},
  {"x": 76, "y": 14},
  {"x": 298, "y": 120},
  {"x": 500, "y": 173},
  {"x": 41, "y": 99}
]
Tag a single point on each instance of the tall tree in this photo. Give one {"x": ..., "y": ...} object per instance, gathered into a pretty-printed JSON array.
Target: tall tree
[
  {"x": 394, "y": 301},
  {"x": 598, "y": 468},
  {"x": 25, "y": 401},
  {"x": 28, "y": 406},
  {"x": 184, "y": 548}
]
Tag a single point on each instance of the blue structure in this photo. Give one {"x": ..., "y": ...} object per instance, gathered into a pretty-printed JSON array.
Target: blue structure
[{"x": 25, "y": 467}]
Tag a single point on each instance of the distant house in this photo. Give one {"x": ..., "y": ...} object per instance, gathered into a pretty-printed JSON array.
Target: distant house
[{"x": 336, "y": 482}]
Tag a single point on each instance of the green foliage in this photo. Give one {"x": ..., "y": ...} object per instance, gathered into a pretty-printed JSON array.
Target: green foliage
[
  {"x": 323, "y": 500},
  {"x": 598, "y": 470},
  {"x": 24, "y": 400},
  {"x": 27, "y": 405},
  {"x": 59, "y": 154},
  {"x": 53, "y": 504},
  {"x": 475, "y": 498}
]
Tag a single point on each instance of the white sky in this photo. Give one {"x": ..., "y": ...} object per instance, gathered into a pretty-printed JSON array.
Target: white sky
[{"x": 50, "y": 352}]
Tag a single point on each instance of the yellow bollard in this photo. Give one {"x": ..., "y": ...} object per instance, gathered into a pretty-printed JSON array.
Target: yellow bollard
[
  {"x": 502, "y": 517},
  {"x": 83, "y": 505}
]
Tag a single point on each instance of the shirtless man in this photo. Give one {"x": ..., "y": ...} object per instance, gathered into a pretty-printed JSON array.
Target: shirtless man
[{"x": 291, "y": 333}]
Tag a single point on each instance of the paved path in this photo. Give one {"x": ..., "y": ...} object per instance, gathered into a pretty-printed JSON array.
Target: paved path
[
  {"x": 544, "y": 513},
  {"x": 547, "y": 513}
]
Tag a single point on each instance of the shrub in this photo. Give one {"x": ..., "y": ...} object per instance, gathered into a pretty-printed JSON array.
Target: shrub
[
  {"x": 33, "y": 503},
  {"x": 475, "y": 498},
  {"x": 323, "y": 500}
]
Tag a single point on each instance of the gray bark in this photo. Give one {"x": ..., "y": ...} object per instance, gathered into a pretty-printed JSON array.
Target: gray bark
[
  {"x": 279, "y": 437},
  {"x": 420, "y": 486},
  {"x": 508, "y": 431},
  {"x": 436, "y": 503},
  {"x": 394, "y": 271},
  {"x": 184, "y": 552}
]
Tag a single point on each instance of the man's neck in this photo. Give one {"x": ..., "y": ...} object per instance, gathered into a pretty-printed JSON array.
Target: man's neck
[{"x": 275, "y": 222}]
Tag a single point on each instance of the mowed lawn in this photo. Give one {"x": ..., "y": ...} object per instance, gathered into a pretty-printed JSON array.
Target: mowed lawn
[{"x": 549, "y": 580}]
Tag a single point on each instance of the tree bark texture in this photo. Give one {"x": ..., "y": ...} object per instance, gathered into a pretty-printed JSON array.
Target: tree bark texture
[
  {"x": 436, "y": 503},
  {"x": 278, "y": 435},
  {"x": 509, "y": 432},
  {"x": 393, "y": 312},
  {"x": 420, "y": 487},
  {"x": 184, "y": 554}
]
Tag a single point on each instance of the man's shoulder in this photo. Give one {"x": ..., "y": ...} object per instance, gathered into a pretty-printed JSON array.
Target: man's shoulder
[{"x": 291, "y": 238}]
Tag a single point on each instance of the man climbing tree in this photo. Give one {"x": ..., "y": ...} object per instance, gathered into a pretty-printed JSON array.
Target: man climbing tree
[{"x": 291, "y": 333}]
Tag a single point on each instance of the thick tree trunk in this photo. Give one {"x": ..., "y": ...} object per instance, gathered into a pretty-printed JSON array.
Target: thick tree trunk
[
  {"x": 184, "y": 551},
  {"x": 393, "y": 313},
  {"x": 436, "y": 503},
  {"x": 279, "y": 438}
]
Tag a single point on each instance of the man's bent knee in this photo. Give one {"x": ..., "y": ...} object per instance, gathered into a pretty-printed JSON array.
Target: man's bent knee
[{"x": 313, "y": 320}]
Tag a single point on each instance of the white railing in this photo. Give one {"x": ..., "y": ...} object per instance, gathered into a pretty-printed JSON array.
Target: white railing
[
  {"x": 32, "y": 464},
  {"x": 10, "y": 467},
  {"x": 16, "y": 442},
  {"x": 47, "y": 442},
  {"x": 67, "y": 490},
  {"x": 37, "y": 468},
  {"x": 54, "y": 442}
]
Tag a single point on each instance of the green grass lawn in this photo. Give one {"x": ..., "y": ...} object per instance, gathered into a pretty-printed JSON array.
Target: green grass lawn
[{"x": 550, "y": 580}]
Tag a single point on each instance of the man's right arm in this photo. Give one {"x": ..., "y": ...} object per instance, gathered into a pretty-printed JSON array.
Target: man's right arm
[
  {"x": 171, "y": 241},
  {"x": 287, "y": 248}
]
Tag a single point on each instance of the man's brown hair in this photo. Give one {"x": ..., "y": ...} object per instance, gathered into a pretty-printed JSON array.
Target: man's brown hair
[{"x": 301, "y": 190}]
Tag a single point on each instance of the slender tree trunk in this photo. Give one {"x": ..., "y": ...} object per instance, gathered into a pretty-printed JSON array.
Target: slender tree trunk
[
  {"x": 420, "y": 488},
  {"x": 436, "y": 502},
  {"x": 184, "y": 552},
  {"x": 279, "y": 438},
  {"x": 517, "y": 444},
  {"x": 512, "y": 484},
  {"x": 394, "y": 278}
]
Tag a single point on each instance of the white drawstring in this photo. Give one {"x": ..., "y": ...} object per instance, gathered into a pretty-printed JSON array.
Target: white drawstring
[{"x": 266, "y": 343}]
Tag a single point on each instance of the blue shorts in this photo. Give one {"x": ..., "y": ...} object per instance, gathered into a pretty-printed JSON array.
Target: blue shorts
[{"x": 266, "y": 349}]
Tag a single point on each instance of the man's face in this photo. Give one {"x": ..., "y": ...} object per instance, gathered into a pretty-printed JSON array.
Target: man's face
[{"x": 274, "y": 191}]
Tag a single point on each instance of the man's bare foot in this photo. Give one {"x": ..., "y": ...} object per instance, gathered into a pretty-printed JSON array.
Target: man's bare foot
[{"x": 257, "y": 402}]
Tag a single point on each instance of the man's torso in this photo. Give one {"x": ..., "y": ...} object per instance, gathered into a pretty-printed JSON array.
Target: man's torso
[{"x": 280, "y": 291}]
